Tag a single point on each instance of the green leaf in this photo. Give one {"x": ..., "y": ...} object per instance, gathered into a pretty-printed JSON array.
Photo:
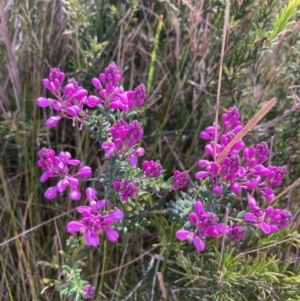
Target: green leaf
[
  {"x": 130, "y": 115},
  {"x": 170, "y": 181},
  {"x": 241, "y": 214}
]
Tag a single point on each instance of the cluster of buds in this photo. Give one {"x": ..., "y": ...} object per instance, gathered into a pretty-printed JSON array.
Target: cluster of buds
[
  {"x": 180, "y": 179},
  {"x": 239, "y": 171},
  {"x": 125, "y": 137},
  {"x": 152, "y": 169},
  {"x": 113, "y": 96},
  {"x": 126, "y": 189},
  {"x": 58, "y": 166},
  {"x": 94, "y": 221},
  {"x": 88, "y": 291}
]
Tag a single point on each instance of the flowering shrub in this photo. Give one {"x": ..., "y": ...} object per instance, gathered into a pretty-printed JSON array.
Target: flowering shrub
[{"x": 122, "y": 189}]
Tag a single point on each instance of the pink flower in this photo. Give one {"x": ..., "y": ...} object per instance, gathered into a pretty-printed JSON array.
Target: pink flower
[
  {"x": 57, "y": 166},
  {"x": 268, "y": 221},
  {"x": 74, "y": 194},
  {"x": 111, "y": 74},
  {"x": 206, "y": 225},
  {"x": 43, "y": 102},
  {"x": 94, "y": 222},
  {"x": 109, "y": 148},
  {"x": 133, "y": 157},
  {"x": 90, "y": 225},
  {"x": 190, "y": 236},
  {"x": 88, "y": 291}
]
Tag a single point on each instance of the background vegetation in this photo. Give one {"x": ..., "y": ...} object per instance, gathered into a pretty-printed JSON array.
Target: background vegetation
[{"x": 174, "y": 48}]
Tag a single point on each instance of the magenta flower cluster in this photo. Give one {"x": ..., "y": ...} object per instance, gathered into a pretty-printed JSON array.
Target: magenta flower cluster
[
  {"x": 268, "y": 221},
  {"x": 125, "y": 137},
  {"x": 70, "y": 100},
  {"x": 243, "y": 168},
  {"x": 152, "y": 169},
  {"x": 206, "y": 224},
  {"x": 88, "y": 291},
  {"x": 94, "y": 221},
  {"x": 126, "y": 189},
  {"x": 110, "y": 95},
  {"x": 58, "y": 166},
  {"x": 180, "y": 179}
]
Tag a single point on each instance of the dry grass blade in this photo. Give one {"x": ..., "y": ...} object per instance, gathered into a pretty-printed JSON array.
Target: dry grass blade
[
  {"x": 258, "y": 116},
  {"x": 220, "y": 72}
]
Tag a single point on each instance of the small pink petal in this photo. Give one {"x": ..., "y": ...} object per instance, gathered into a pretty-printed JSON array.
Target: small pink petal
[
  {"x": 90, "y": 194},
  {"x": 182, "y": 234},
  {"x": 192, "y": 218},
  {"x": 251, "y": 201},
  {"x": 91, "y": 239},
  {"x": 43, "y": 102},
  {"x": 44, "y": 177},
  {"x": 84, "y": 172},
  {"x": 198, "y": 208},
  {"x": 74, "y": 194},
  {"x": 51, "y": 193},
  {"x": 52, "y": 121},
  {"x": 82, "y": 209},
  {"x": 250, "y": 217},
  {"x": 111, "y": 234},
  {"x": 201, "y": 174},
  {"x": 116, "y": 214},
  {"x": 74, "y": 226},
  {"x": 198, "y": 243},
  {"x": 265, "y": 228}
]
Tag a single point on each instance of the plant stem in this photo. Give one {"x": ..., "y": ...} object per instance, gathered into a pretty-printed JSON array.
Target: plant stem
[{"x": 103, "y": 266}]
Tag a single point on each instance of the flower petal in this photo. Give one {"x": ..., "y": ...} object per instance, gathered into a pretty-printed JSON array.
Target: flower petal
[
  {"x": 111, "y": 234},
  {"x": 222, "y": 228},
  {"x": 182, "y": 234},
  {"x": 198, "y": 208},
  {"x": 74, "y": 194},
  {"x": 51, "y": 193},
  {"x": 265, "y": 228},
  {"x": 91, "y": 238},
  {"x": 198, "y": 243},
  {"x": 192, "y": 218},
  {"x": 74, "y": 226},
  {"x": 250, "y": 217}
]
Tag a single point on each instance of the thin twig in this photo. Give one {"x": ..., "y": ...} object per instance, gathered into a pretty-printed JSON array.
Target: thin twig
[
  {"x": 36, "y": 227},
  {"x": 154, "y": 280},
  {"x": 223, "y": 238},
  {"x": 227, "y": 8},
  {"x": 276, "y": 120},
  {"x": 124, "y": 265},
  {"x": 140, "y": 282}
]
